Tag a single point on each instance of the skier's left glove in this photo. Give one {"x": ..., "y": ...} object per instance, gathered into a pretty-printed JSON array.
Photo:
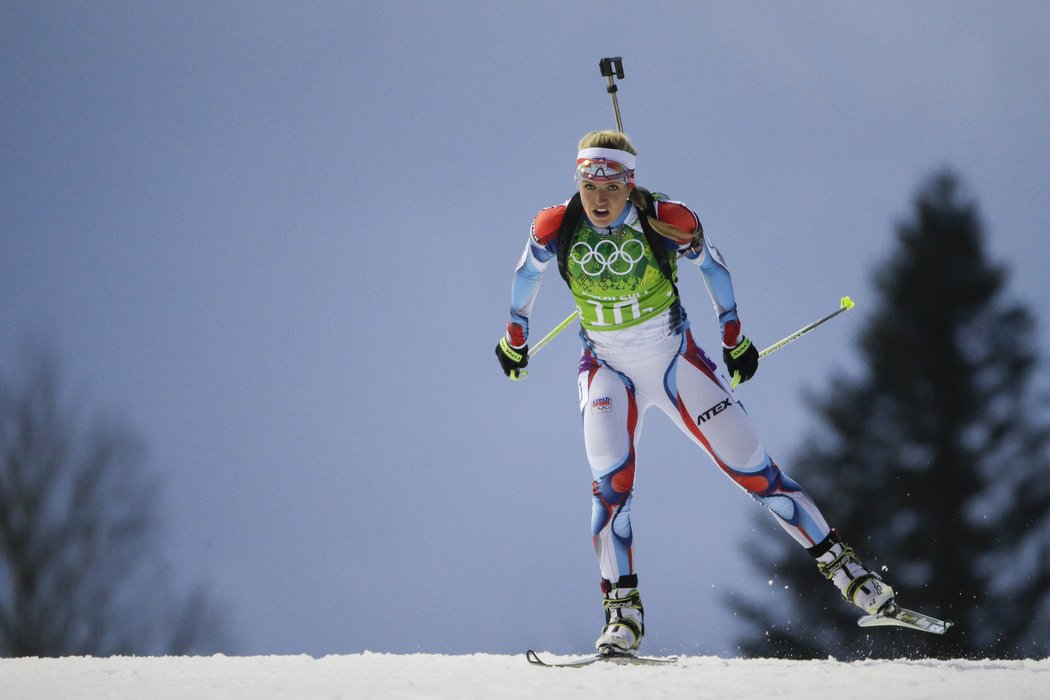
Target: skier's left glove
[
  {"x": 513, "y": 360},
  {"x": 741, "y": 361},
  {"x": 738, "y": 353}
]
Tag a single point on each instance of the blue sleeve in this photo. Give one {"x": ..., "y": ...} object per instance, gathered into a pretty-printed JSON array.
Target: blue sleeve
[
  {"x": 717, "y": 279},
  {"x": 525, "y": 286}
]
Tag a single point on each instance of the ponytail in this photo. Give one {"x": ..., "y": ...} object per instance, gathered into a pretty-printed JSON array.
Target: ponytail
[{"x": 679, "y": 235}]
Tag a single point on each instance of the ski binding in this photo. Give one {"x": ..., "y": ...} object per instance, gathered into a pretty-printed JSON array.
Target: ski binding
[
  {"x": 621, "y": 659},
  {"x": 896, "y": 616}
]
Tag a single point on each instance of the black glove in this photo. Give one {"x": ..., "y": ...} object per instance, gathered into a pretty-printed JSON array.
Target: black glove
[
  {"x": 512, "y": 360},
  {"x": 741, "y": 360}
]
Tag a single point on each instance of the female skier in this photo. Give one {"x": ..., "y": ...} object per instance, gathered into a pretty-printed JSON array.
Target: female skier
[{"x": 617, "y": 246}]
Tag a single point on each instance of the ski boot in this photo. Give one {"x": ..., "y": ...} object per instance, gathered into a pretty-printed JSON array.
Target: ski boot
[
  {"x": 840, "y": 565},
  {"x": 624, "y": 627}
]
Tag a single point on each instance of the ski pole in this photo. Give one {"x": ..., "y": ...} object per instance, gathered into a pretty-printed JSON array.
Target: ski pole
[
  {"x": 613, "y": 68},
  {"x": 550, "y": 336},
  {"x": 610, "y": 68},
  {"x": 844, "y": 305}
]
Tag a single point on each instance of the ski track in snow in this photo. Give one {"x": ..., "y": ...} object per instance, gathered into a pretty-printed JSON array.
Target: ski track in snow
[{"x": 373, "y": 675}]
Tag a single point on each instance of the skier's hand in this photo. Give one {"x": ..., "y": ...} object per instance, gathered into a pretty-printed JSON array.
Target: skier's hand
[
  {"x": 512, "y": 360},
  {"x": 741, "y": 360}
]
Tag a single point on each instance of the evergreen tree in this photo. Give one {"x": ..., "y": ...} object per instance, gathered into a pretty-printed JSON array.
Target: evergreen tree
[{"x": 931, "y": 463}]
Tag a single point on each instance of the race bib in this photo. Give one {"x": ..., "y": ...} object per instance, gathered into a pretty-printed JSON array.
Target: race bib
[{"x": 616, "y": 279}]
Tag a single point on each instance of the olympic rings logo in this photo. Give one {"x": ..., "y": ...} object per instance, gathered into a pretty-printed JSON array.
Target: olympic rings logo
[{"x": 606, "y": 256}]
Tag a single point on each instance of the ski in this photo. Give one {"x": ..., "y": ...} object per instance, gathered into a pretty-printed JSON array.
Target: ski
[
  {"x": 894, "y": 615},
  {"x": 621, "y": 659}
]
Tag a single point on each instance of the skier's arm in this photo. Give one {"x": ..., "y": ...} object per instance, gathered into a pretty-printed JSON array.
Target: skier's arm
[
  {"x": 541, "y": 247},
  {"x": 716, "y": 275},
  {"x": 719, "y": 283}
]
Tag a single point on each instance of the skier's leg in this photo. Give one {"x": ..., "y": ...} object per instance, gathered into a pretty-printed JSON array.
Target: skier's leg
[
  {"x": 704, "y": 407},
  {"x": 611, "y": 425},
  {"x": 707, "y": 410},
  {"x": 610, "y": 429}
]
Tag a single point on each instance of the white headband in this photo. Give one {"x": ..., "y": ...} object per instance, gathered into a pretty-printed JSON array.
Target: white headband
[{"x": 613, "y": 154}]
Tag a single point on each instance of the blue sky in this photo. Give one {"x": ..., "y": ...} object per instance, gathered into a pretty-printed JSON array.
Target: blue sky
[{"x": 277, "y": 239}]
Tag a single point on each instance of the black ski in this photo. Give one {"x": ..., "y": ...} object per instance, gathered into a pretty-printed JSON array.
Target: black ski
[{"x": 621, "y": 659}]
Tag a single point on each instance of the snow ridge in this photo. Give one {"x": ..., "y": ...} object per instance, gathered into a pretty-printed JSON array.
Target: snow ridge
[{"x": 373, "y": 675}]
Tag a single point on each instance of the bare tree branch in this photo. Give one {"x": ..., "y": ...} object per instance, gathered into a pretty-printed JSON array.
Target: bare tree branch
[{"x": 79, "y": 572}]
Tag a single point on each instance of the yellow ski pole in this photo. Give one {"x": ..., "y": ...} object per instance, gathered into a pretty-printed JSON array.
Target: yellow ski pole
[
  {"x": 550, "y": 336},
  {"x": 522, "y": 373},
  {"x": 844, "y": 305}
]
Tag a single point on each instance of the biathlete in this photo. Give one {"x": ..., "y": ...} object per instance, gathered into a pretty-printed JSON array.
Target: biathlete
[{"x": 617, "y": 246}]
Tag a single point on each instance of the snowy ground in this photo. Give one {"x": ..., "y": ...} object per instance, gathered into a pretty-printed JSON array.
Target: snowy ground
[{"x": 490, "y": 676}]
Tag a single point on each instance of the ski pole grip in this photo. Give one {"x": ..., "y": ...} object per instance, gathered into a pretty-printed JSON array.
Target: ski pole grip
[{"x": 611, "y": 67}]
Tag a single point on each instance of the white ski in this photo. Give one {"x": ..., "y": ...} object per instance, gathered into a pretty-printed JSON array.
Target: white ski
[
  {"x": 621, "y": 659},
  {"x": 896, "y": 616}
]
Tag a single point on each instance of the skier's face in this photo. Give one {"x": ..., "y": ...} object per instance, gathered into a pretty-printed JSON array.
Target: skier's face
[{"x": 603, "y": 201}]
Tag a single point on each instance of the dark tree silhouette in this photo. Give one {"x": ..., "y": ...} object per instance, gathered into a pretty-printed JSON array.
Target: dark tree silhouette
[
  {"x": 79, "y": 570},
  {"x": 932, "y": 463}
]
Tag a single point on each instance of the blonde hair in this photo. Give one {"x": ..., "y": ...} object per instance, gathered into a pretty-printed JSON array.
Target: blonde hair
[
  {"x": 620, "y": 141},
  {"x": 607, "y": 139}
]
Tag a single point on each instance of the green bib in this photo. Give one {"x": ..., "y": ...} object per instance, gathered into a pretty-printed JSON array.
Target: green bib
[{"x": 616, "y": 279}]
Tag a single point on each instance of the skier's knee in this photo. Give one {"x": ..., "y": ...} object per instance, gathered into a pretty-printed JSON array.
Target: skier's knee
[
  {"x": 766, "y": 482},
  {"x": 611, "y": 495},
  {"x": 614, "y": 487}
]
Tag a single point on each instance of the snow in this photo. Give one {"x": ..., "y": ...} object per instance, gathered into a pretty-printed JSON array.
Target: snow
[{"x": 372, "y": 675}]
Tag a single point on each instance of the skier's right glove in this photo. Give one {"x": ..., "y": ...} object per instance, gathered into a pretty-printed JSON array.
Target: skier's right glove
[{"x": 512, "y": 360}]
